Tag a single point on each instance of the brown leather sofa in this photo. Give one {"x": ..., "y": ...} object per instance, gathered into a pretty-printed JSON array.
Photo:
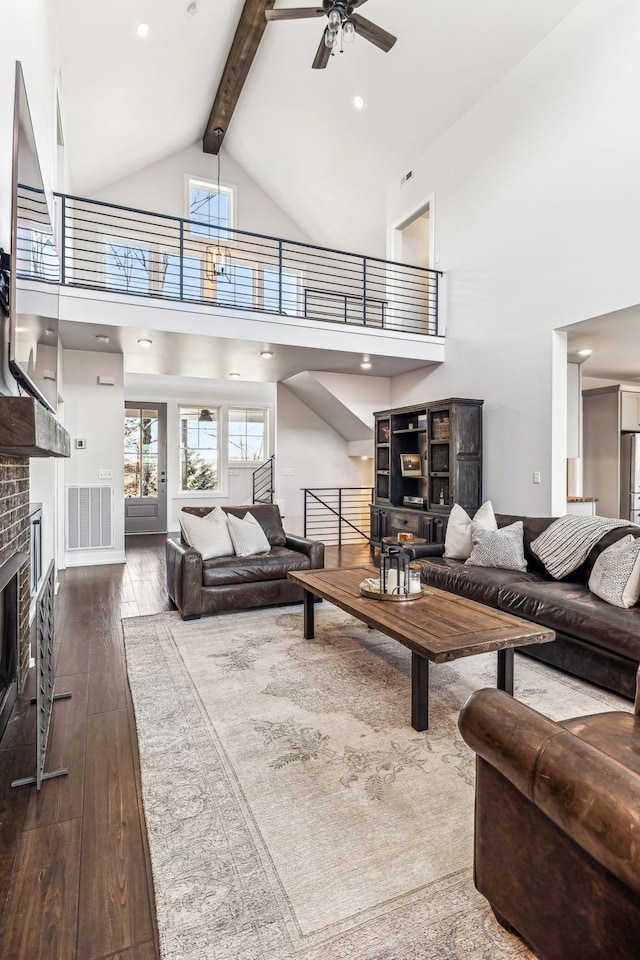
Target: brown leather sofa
[
  {"x": 200, "y": 587},
  {"x": 594, "y": 640},
  {"x": 557, "y": 826}
]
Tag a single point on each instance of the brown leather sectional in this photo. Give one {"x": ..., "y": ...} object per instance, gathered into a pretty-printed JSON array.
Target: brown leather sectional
[
  {"x": 557, "y": 826},
  {"x": 594, "y": 640},
  {"x": 200, "y": 587}
]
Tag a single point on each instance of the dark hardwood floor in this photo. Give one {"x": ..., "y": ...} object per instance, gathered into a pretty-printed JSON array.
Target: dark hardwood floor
[{"x": 75, "y": 879}]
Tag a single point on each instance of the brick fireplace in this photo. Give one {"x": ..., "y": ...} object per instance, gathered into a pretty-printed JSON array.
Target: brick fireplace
[{"x": 14, "y": 538}]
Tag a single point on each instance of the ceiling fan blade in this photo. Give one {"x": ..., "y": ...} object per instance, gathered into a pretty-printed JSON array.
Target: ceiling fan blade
[
  {"x": 322, "y": 55},
  {"x": 373, "y": 33},
  {"x": 295, "y": 13}
]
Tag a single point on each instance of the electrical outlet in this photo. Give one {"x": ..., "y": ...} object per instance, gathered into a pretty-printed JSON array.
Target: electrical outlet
[
  {"x": 287, "y": 472},
  {"x": 105, "y": 474},
  {"x": 536, "y": 476}
]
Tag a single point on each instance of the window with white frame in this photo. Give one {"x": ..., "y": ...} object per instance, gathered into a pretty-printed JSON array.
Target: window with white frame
[
  {"x": 210, "y": 213},
  {"x": 247, "y": 434},
  {"x": 127, "y": 266},
  {"x": 199, "y": 448}
]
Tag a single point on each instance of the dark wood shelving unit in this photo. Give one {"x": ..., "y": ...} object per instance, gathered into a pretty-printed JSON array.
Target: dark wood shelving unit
[{"x": 442, "y": 439}]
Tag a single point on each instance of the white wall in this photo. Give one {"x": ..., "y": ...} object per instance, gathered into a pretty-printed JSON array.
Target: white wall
[
  {"x": 95, "y": 413},
  {"x": 316, "y": 455},
  {"x": 236, "y": 481},
  {"x": 160, "y": 188},
  {"x": 363, "y": 395},
  {"x": 536, "y": 204},
  {"x": 26, "y": 36}
]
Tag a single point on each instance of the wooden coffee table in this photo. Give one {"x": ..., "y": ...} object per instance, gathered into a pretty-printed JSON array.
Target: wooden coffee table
[{"x": 437, "y": 627}]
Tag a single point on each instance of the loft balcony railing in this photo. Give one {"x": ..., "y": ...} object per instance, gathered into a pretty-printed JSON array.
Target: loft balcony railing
[{"x": 103, "y": 246}]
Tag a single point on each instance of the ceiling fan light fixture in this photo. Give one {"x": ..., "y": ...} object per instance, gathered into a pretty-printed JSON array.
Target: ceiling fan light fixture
[
  {"x": 205, "y": 417},
  {"x": 335, "y": 20},
  {"x": 330, "y": 39},
  {"x": 348, "y": 31}
]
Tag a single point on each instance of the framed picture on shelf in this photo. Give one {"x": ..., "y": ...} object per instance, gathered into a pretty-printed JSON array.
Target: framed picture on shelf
[{"x": 410, "y": 465}]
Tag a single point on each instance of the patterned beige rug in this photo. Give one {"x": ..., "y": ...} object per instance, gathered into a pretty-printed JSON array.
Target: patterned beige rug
[{"x": 292, "y": 810}]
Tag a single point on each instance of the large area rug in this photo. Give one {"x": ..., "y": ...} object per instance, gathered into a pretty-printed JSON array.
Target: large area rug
[{"x": 292, "y": 810}]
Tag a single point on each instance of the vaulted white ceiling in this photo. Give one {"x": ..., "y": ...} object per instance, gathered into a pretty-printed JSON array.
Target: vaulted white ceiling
[{"x": 130, "y": 102}]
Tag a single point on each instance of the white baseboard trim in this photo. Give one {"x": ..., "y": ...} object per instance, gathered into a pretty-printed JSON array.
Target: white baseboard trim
[{"x": 90, "y": 559}]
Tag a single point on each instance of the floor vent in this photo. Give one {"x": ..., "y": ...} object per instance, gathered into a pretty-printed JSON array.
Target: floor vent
[{"x": 89, "y": 517}]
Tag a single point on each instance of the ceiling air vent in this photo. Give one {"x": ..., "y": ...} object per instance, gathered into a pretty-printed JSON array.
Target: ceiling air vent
[{"x": 406, "y": 177}]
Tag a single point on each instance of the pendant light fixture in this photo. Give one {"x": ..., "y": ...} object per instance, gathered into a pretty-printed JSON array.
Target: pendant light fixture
[
  {"x": 217, "y": 259},
  {"x": 205, "y": 417}
]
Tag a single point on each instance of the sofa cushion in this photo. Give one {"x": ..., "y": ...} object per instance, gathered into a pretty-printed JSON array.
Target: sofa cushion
[
  {"x": 533, "y": 527},
  {"x": 268, "y": 516},
  {"x": 264, "y": 566},
  {"x": 475, "y": 583},
  {"x": 500, "y": 548},
  {"x": 462, "y": 531},
  {"x": 616, "y": 573},
  {"x": 207, "y": 534},
  {"x": 570, "y": 608},
  {"x": 247, "y": 535}
]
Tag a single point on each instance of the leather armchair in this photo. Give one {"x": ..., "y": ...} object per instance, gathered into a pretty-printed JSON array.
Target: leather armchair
[
  {"x": 200, "y": 587},
  {"x": 557, "y": 826}
]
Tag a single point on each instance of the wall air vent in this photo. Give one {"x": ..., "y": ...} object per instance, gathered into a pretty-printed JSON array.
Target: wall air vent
[{"x": 89, "y": 518}]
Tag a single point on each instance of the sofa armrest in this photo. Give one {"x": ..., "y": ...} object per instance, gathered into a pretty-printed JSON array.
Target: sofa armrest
[
  {"x": 184, "y": 578},
  {"x": 313, "y": 549},
  {"x": 424, "y": 550},
  {"x": 591, "y": 797}
]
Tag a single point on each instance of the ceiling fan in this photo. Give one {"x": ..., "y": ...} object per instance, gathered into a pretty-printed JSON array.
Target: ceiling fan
[{"x": 342, "y": 27}]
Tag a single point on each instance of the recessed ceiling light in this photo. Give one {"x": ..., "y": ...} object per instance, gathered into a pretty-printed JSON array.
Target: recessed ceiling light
[
  {"x": 145, "y": 342},
  {"x": 266, "y": 354},
  {"x": 142, "y": 30},
  {"x": 48, "y": 332},
  {"x": 358, "y": 102},
  {"x": 192, "y": 9},
  {"x": 584, "y": 353},
  {"x": 235, "y": 375},
  {"x": 366, "y": 365},
  {"x": 101, "y": 338},
  {"x": 364, "y": 457}
]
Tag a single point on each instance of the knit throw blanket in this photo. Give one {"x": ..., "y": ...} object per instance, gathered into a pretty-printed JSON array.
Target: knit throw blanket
[{"x": 565, "y": 544}]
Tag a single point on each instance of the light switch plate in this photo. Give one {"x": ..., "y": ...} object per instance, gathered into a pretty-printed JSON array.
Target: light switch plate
[
  {"x": 287, "y": 472},
  {"x": 105, "y": 474}
]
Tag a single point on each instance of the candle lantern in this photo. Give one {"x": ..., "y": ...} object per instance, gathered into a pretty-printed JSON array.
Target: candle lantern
[{"x": 394, "y": 571}]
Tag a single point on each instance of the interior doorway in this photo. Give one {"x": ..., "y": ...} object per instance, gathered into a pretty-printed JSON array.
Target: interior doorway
[
  {"x": 412, "y": 238},
  {"x": 145, "y": 467}
]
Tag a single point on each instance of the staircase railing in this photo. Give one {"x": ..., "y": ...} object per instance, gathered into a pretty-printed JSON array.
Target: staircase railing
[
  {"x": 263, "y": 482},
  {"x": 337, "y": 515}
]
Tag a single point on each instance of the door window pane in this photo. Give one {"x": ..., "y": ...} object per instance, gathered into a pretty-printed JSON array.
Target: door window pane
[{"x": 140, "y": 453}]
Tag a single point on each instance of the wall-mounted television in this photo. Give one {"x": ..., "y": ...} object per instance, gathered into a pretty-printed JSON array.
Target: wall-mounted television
[{"x": 33, "y": 308}]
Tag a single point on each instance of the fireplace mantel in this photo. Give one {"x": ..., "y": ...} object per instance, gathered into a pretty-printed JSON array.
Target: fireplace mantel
[{"x": 28, "y": 429}]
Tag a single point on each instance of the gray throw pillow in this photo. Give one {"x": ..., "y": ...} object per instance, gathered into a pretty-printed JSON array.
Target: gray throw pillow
[
  {"x": 616, "y": 573},
  {"x": 502, "y": 548},
  {"x": 247, "y": 535}
]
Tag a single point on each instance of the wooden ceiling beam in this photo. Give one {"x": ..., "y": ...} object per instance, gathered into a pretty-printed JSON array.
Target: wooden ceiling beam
[{"x": 242, "y": 54}]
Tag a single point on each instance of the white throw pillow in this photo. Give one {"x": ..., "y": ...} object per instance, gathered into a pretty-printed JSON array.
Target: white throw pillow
[
  {"x": 616, "y": 573},
  {"x": 247, "y": 535},
  {"x": 209, "y": 535},
  {"x": 502, "y": 548},
  {"x": 462, "y": 531}
]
